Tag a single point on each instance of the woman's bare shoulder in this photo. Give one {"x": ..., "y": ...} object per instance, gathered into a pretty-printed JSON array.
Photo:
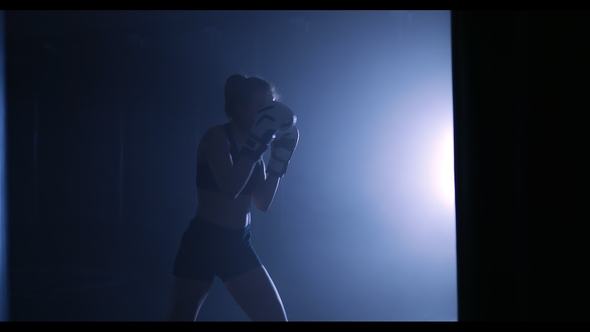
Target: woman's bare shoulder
[
  {"x": 214, "y": 137},
  {"x": 214, "y": 133}
]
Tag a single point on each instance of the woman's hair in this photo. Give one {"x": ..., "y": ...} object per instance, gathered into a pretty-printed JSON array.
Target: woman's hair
[
  {"x": 239, "y": 90},
  {"x": 232, "y": 93}
]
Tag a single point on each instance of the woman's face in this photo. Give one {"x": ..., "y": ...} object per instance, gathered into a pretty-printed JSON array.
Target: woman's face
[{"x": 258, "y": 100}]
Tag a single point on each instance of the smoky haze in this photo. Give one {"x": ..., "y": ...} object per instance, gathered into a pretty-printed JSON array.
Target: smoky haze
[{"x": 363, "y": 224}]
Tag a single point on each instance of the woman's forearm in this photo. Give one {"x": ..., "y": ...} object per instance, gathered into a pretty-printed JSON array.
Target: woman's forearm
[{"x": 266, "y": 192}]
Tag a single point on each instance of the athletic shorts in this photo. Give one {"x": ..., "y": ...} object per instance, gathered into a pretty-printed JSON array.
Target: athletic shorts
[{"x": 207, "y": 250}]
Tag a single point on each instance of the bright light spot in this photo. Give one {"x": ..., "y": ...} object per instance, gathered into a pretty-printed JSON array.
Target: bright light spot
[
  {"x": 412, "y": 166},
  {"x": 410, "y": 180},
  {"x": 444, "y": 169}
]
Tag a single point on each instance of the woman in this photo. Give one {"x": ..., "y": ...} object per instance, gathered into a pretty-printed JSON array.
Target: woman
[{"x": 217, "y": 241}]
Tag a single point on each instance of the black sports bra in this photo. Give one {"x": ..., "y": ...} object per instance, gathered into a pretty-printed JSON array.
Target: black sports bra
[{"x": 206, "y": 180}]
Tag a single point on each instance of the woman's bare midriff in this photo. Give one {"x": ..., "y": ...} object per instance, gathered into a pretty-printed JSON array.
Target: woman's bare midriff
[{"x": 218, "y": 209}]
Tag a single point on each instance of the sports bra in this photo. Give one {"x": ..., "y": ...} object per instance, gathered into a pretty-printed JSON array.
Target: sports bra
[{"x": 206, "y": 180}]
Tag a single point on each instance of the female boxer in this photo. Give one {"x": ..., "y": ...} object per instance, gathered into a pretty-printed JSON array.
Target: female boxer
[{"x": 230, "y": 176}]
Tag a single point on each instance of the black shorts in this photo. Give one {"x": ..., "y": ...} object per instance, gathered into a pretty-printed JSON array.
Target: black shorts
[{"x": 207, "y": 250}]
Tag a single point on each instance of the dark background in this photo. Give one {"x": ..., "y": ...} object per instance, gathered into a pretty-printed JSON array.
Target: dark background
[
  {"x": 520, "y": 82},
  {"x": 105, "y": 112},
  {"x": 518, "y": 88}
]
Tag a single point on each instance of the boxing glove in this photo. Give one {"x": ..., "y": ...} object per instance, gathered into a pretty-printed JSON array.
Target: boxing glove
[
  {"x": 271, "y": 118},
  {"x": 282, "y": 149}
]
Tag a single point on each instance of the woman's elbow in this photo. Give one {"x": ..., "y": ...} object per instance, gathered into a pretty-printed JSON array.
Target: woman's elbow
[
  {"x": 261, "y": 205},
  {"x": 231, "y": 193},
  {"x": 231, "y": 196}
]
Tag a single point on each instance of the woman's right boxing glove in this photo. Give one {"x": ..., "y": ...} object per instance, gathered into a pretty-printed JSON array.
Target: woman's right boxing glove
[{"x": 272, "y": 117}]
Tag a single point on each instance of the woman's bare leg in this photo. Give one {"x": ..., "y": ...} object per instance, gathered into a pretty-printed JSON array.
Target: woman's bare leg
[
  {"x": 187, "y": 298},
  {"x": 255, "y": 292}
]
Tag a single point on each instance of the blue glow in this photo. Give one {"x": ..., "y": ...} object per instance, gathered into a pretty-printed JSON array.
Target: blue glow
[{"x": 368, "y": 204}]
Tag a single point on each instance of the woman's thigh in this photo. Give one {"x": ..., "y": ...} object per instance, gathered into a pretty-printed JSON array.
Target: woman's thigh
[
  {"x": 188, "y": 296},
  {"x": 257, "y": 295}
]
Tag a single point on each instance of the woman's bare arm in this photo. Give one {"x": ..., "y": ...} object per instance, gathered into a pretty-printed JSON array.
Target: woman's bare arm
[
  {"x": 231, "y": 177},
  {"x": 264, "y": 193}
]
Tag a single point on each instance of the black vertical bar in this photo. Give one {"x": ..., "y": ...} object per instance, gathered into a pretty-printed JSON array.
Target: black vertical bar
[
  {"x": 461, "y": 146},
  {"x": 520, "y": 104}
]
